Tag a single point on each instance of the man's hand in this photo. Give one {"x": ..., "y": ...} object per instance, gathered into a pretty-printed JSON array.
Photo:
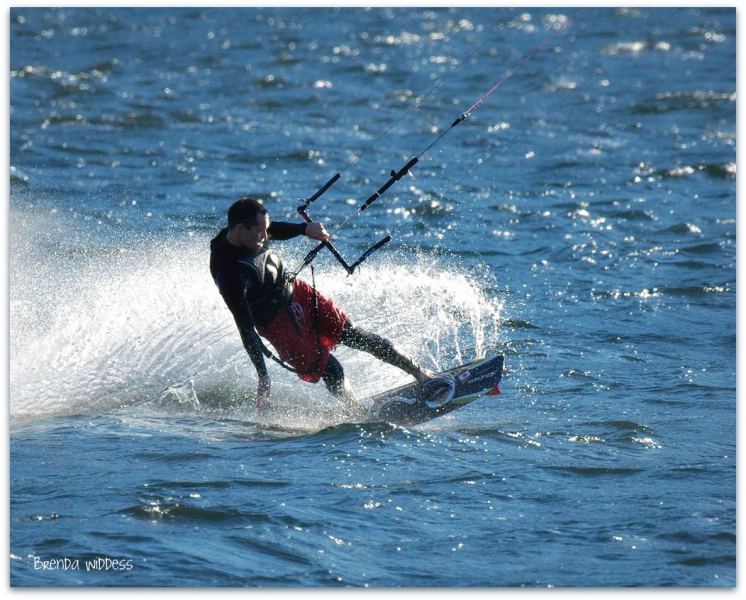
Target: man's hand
[
  {"x": 316, "y": 231},
  {"x": 262, "y": 392}
]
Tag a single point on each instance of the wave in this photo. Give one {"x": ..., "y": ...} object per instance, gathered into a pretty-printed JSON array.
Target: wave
[
  {"x": 695, "y": 100},
  {"x": 586, "y": 471}
]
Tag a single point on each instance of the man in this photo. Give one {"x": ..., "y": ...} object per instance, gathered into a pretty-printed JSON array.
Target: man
[{"x": 302, "y": 325}]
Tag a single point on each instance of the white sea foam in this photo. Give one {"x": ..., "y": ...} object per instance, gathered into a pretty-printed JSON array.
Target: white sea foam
[{"x": 102, "y": 322}]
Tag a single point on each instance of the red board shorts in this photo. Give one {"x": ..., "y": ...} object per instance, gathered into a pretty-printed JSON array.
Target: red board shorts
[{"x": 300, "y": 348}]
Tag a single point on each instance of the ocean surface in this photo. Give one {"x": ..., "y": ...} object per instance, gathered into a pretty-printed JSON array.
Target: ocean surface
[{"x": 582, "y": 221}]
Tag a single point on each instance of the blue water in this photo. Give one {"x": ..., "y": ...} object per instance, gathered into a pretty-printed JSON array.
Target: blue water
[{"x": 582, "y": 221}]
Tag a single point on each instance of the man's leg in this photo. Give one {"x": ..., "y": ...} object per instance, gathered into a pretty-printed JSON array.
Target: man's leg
[{"x": 381, "y": 348}]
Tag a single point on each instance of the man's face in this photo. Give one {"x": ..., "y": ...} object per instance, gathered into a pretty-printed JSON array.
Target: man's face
[{"x": 255, "y": 236}]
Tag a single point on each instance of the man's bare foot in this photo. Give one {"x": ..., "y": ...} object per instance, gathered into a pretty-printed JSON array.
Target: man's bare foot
[{"x": 424, "y": 376}]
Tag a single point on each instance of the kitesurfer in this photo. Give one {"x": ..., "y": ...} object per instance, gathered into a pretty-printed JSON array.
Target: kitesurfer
[{"x": 303, "y": 325}]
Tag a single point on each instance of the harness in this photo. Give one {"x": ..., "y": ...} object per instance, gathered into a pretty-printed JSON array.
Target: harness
[
  {"x": 273, "y": 284},
  {"x": 287, "y": 307}
]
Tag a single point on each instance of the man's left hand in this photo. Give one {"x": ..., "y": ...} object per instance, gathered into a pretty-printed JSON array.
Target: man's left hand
[{"x": 316, "y": 231}]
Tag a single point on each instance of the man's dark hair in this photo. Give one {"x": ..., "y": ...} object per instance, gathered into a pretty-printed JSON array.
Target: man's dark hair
[{"x": 245, "y": 211}]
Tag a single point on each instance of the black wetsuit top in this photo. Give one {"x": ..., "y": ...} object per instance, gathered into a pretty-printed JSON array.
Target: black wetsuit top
[{"x": 254, "y": 285}]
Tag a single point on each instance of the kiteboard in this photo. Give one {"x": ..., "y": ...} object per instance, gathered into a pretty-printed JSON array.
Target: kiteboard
[{"x": 420, "y": 402}]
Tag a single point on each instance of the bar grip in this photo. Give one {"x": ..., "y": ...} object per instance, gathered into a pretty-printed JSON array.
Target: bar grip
[
  {"x": 321, "y": 190},
  {"x": 370, "y": 251},
  {"x": 325, "y": 187},
  {"x": 395, "y": 176}
]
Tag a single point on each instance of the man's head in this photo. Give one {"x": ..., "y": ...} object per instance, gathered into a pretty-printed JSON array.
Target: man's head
[{"x": 248, "y": 221}]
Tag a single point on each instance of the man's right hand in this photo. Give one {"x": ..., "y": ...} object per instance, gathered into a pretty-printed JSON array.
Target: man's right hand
[
  {"x": 262, "y": 392},
  {"x": 316, "y": 231}
]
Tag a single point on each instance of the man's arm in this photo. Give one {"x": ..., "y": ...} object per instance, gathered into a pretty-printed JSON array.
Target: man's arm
[
  {"x": 279, "y": 230},
  {"x": 253, "y": 346},
  {"x": 242, "y": 315}
]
